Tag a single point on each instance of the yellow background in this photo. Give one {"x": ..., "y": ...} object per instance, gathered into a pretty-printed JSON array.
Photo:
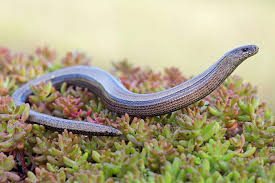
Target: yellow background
[{"x": 190, "y": 35}]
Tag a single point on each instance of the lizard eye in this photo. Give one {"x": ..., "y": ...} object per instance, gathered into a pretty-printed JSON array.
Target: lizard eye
[{"x": 245, "y": 49}]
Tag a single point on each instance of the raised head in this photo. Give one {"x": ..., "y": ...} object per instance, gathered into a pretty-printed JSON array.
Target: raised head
[{"x": 238, "y": 55}]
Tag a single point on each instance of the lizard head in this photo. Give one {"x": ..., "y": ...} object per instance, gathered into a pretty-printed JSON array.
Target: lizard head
[{"x": 241, "y": 53}]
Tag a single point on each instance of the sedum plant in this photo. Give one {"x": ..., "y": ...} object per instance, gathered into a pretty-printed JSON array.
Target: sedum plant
[{"x": 228, "y": 136}]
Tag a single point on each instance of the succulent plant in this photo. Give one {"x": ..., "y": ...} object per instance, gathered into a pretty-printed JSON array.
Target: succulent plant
[
  {"x": 76, "y": 58},
  {"x": 6, "y": 166},
  {"x": 229, "y": 136}
]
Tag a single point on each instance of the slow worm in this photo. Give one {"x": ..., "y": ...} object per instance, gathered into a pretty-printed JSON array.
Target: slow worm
[{"x": 118, "y": 99}]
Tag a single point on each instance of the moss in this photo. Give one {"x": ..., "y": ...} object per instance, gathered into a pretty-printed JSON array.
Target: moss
[{"x": 228, "y": 136}]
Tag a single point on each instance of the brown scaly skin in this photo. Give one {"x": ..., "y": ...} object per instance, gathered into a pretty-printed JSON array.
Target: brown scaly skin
[{"x": 118, "y": 99}]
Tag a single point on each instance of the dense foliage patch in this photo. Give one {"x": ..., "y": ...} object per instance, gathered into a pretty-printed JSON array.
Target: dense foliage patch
[{"x": 228, "y": 136}]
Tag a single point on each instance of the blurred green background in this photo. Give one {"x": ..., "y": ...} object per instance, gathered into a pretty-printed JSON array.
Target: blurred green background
[{"x": 190, "y": 35}]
